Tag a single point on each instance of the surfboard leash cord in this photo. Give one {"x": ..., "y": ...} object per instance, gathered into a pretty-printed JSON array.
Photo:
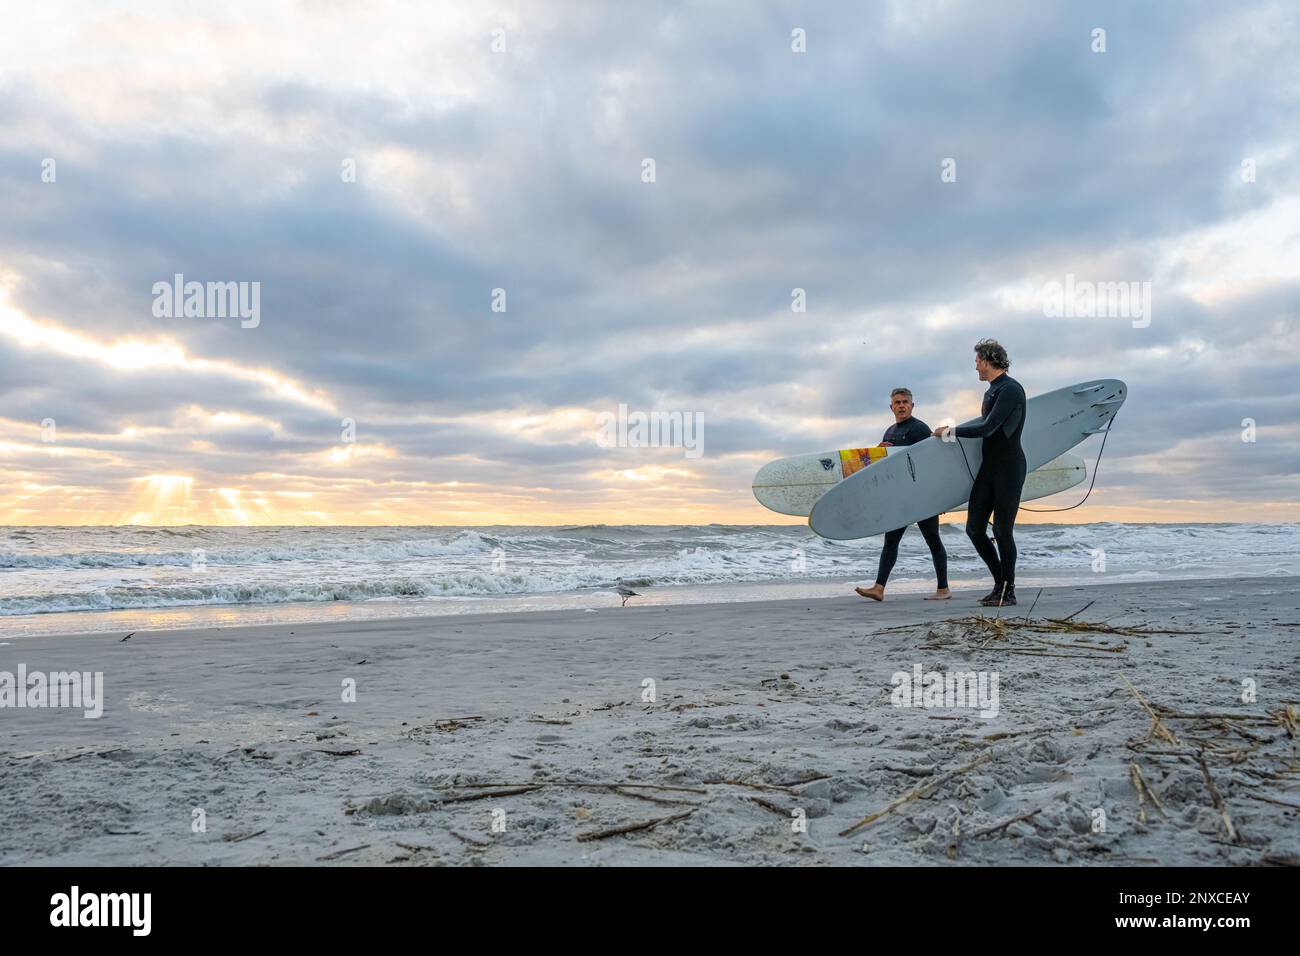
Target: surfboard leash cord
[{"x": 1096, "y": 466}]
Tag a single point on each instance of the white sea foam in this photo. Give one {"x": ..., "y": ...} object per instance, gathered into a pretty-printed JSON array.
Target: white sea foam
[{"x": 50, "y": 570}]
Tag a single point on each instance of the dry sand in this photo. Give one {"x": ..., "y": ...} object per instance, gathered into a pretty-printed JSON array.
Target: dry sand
[{"x": 760, "y": 709}]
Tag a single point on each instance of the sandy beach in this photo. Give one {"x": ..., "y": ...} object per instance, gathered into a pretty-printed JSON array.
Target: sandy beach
[{"x": 773, "y": 730}]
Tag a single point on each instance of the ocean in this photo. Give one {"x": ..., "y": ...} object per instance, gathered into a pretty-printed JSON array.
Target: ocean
[{"x": 84, "y": 579}]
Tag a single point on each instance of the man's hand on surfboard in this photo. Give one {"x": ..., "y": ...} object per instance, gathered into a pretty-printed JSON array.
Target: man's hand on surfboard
[{"x": 941, "y": 431}]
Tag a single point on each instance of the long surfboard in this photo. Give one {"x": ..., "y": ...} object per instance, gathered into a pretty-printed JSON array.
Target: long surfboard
[
  {"x": 934, "y": 476},
  {"x": 791, "y": 486}
]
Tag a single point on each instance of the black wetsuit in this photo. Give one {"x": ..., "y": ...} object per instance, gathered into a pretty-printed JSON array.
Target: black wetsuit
[
  {"x": 1000, "y": 479},
  {"x": 910, "y": 432}
]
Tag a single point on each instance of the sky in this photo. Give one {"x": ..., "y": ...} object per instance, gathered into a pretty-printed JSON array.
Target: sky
[{"x": 475, "y": 231}]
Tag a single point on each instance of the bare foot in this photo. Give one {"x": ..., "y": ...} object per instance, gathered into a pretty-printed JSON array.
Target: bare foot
[
  {"x": 941, "y": 594},
  {"x": 875, "y": 592}
]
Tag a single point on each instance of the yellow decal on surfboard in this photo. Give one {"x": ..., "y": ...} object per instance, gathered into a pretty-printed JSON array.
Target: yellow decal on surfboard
[{"x": 855, "y": 459}]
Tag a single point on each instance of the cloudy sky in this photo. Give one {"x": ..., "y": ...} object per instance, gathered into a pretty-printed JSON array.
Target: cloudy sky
[{"x": 505, "y": 148}]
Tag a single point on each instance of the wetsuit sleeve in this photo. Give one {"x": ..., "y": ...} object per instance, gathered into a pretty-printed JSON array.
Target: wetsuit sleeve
[{"x": 1006, "y": 402}]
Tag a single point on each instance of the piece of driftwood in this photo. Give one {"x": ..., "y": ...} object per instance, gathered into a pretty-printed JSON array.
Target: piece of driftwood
[
  {"x": 631, "y": 828},
  {"x": 1218, "y": 800},
  {"x": 1145, "y": 793},
  {"x": 1280, "y": 803},
  {"x": 768, "y": 805},
  {"x": 449, "y": 724},
  {"x": 752, "y": 786},
  {"x": 923, "y": 790},
  {"x": 416, "y": 847},
  {"x": 800, "y": 783},
  {"x": 954, "y": 848},
  {"x": 1158, "y": 728},
  {"x": 1289, "y": 718},
  {"x": 1169, "y": 712},
  {"x": 1004, "y": 824},
  {"x": 339, "y": 853},
  {"x": 489, "y": 794},
  {"x": 1003, "y": 734},
  {"x": 573, "y": 783},
  {"x": 1080, "y": 611},
  {"x": 1030, "y": 612},
  {"x": 1035, "y": 653},
  {"x": 652, "y": 799}
]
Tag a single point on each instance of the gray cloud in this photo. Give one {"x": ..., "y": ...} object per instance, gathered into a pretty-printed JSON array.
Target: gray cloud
[{"x": 775, "y": 171}]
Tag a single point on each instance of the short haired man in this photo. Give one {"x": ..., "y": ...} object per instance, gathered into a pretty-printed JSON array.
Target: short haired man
[
  {"x": 907, "y": 430},
  {"x": 1001, "y": 477}
]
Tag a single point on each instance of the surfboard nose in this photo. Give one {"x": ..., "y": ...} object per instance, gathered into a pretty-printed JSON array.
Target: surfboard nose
[{"x": 767, "y": 476}]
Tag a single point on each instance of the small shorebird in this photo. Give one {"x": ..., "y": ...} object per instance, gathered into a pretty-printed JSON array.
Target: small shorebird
[{"x": 624, "y": 592}]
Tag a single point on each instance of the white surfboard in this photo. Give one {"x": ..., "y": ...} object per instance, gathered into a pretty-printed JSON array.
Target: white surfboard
[
  {"x": 791, "y": 486},
  {"x": 934, "y": 476}
]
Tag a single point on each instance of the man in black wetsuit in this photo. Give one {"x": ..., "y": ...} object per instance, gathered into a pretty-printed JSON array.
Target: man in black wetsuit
[
  {"x": 1002, "y": 471},
  {"x": 907, "y": 430}
]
